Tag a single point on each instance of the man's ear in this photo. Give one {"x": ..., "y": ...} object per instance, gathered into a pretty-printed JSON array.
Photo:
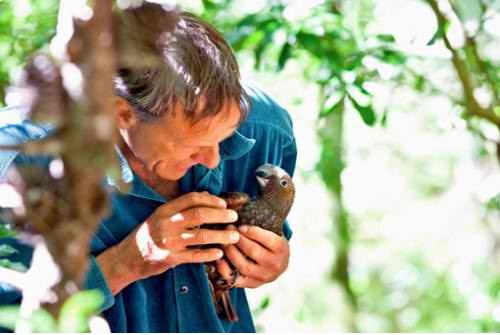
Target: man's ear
[{"x": 125, "y": 116}]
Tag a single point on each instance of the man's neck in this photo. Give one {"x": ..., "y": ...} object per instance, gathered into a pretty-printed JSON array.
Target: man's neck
[{"x": 167, "y": 188}]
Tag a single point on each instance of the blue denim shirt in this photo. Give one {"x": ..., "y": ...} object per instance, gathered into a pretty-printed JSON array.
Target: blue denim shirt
[{"x": 178, "y": 300}]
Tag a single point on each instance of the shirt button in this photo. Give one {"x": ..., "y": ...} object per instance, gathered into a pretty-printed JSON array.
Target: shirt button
[{"x": 184, "y": 289}]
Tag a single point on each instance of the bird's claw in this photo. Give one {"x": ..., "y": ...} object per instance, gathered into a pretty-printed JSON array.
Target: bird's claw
[{"x": 234, "y": 277}]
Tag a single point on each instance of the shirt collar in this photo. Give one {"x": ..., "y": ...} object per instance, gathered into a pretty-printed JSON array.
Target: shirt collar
[
  {"x": 235, "y": 146},
  {"x": 232, "y": 148}
]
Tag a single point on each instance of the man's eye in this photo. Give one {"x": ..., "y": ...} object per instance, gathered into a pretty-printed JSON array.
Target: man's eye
[{"x": 284, "y": 182}]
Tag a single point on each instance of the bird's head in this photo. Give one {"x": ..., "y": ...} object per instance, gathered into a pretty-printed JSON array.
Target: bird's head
[{"x": 276, "y": 186}]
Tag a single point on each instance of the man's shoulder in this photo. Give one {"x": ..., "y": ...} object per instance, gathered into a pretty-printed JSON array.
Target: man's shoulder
[
  {"x": 16, "y": 128},
  {"x": 266, "y": 112}
]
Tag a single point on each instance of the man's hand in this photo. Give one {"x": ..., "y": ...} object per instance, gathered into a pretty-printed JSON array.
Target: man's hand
[
  {"x": 162, "y": 241},
  {"x": 260, "y": 256}
]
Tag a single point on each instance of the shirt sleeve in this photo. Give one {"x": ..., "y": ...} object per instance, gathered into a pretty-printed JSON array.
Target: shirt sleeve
[
  {"x": 95, "y": 280},
  {"x": 15, "y": 134}
]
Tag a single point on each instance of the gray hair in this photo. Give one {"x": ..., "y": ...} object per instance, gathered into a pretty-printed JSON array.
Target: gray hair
[{"x": 198, "y": 70}]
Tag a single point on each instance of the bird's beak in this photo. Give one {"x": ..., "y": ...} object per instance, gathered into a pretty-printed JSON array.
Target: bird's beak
[{"x": 263, "y": 173}]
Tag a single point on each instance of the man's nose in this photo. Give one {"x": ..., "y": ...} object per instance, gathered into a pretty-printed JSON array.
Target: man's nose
[{"x": 208, "y": 156}]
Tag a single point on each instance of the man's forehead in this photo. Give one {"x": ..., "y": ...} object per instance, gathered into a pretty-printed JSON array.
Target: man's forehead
[{"x": 228, "y": 118}]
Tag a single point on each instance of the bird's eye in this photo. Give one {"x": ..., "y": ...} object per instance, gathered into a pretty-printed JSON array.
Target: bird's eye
[{"x": 284, "y": 182}]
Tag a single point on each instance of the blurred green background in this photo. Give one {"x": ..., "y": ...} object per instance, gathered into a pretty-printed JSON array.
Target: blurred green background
[{"x": 397, "y": 219}]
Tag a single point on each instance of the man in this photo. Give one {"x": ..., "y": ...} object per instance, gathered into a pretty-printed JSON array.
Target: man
[{"x": 189, "y": 130}]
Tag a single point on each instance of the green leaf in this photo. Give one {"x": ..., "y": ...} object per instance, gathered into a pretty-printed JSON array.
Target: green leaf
[
  {"x": 41, "y": 321},
  {"x": 7, "y": 250},
  {"x": 9, "y": 316},
  {"x": 440, "y": 32},
  {"x": 335, "y": 8},
  {"x": 496, "y": 110},
  {"x": 5, "y": 263},
  {"x": 386, "y": 38},
  {"x": 330, "y": 48},
  {"x": 359, "y": 82},
  {"x": 250, "y": 30},
  {"x": 383, "y": 121},
  {"x": 249, "y": 20},
  {"x": 265, "y": 302},
  {"x": 366, "y": 112},
  {"x": 393, "y": 57},
  {"x": 419, "y": 83},
  {"x": 261, "y": 47},
  {"x": 4, "y": 231},
  {"x": 353, "y": 61},
  {"x": 77, "y": 310},
  {"x": 285, "y": 53},
  {"x": 311, "y": 43},
  {"x": 494, "y": 203},
  {"x": 331, "y": 107},
  {"x": 209, "y": 5}
]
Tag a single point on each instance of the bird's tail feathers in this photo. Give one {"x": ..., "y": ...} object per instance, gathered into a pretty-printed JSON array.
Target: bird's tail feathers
[{"x": 224, "y": 306}]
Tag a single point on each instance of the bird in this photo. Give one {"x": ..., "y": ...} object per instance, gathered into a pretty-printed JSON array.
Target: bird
[{"x": 268, "y": 210}]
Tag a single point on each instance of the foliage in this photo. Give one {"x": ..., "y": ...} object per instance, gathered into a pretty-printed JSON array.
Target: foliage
[
  {"x": 25, "y": 26},
  {"x": 40, "y": 322},
  {"x": 74, "y": 317},
  {"x": 6, "y": 251},
  {"x": 406, "y": 297},
  {"x": 333, "y": 56}
]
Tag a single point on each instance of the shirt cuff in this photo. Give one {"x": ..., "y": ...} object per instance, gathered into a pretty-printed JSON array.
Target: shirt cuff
[
  {"x": 287, "y": 231},
  {"x": 95, "y": 281}
]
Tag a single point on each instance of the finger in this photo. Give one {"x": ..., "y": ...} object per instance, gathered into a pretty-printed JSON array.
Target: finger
[
  {"x": 245, "y": 266},
  {"x": 248, "y": 282},
  {"x": 266, "y": 238},
  {"x": 194, "y": 217},
  {"x": 196, "y": 256},
  {"x": 224, "y": 269},
  {"x": 208, "y": 236},
  {"x": 254, "y": 250},
  {"x": 190, "y": 200}
]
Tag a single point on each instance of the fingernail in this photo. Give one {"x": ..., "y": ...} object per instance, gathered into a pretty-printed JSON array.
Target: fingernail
[
  {"x": 177, "y": 217},
  {"x": 244, "y": 229},
  {"x": 234, "y": 236},
  {"x": 219, "y": 253},
  {"x": 233, "y": 216},
  {"x": 222, "y": 203},
  {"x": 187, "y": 235}
]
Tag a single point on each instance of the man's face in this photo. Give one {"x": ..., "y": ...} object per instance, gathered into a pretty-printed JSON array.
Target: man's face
[{"x": 169, "y": 146}]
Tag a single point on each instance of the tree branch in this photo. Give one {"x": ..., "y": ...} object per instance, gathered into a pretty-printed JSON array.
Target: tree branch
[
  {"x": 473, "y": 107},
  {"x": 49, "y": 146},
  {"x": 470, "y": 42}
]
